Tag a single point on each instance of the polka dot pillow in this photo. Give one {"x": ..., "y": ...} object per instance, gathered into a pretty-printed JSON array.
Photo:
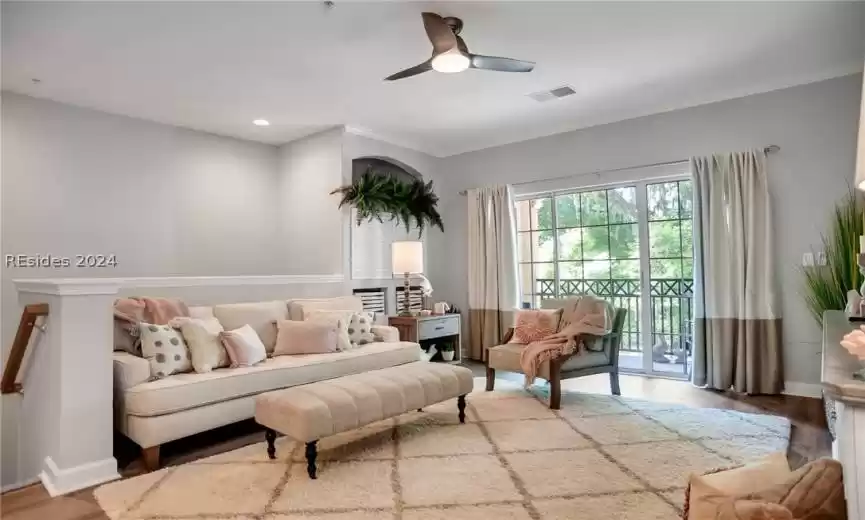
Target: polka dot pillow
[
  {"x": 360, "y": 329},
  {"x": 164, "y": 348}
]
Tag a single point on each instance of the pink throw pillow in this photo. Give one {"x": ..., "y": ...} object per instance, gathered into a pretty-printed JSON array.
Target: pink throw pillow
[
  {"x": 306, "y": 337},
  {"x": 536, "y": 324},
  {"x": 244, "y": 347}
]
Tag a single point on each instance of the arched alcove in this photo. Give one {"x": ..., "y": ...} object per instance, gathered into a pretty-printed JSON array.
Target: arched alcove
[
  {"x": 370, "y": 241},
  {"x": 384, "y": 166}
]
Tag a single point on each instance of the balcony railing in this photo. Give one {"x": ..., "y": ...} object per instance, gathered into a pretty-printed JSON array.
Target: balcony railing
[{"x": 671, "y": 306}]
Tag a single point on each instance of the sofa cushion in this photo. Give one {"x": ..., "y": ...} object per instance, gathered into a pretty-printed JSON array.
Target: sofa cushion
[
  {"x": 261, "y": 316},
  {"x": 201, "y": 312},
  {"x": 507, "y": 357},
  {"x": 185, "y": 391},
  {"x": 296, "y": 308}
]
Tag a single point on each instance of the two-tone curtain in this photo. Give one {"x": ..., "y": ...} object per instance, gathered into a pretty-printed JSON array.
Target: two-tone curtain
[
  {"x": 737, "y": 339},
  {"x": 492, "y": 273}
]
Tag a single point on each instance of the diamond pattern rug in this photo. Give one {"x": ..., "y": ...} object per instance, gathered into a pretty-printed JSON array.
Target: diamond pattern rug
[{"x": 514, "y": 459}]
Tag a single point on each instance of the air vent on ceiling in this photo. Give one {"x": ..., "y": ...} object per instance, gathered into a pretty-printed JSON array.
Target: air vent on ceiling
[{"x": 558, "y": 92}]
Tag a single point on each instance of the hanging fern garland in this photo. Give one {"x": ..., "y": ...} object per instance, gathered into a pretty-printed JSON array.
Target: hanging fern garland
[{"x": 376, "y": 197}]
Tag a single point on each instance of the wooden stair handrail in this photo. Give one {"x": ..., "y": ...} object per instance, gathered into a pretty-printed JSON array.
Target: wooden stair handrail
[{"x": 19, "y": 347}]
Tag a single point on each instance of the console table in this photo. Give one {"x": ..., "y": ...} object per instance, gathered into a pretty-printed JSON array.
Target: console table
[{"x": 846, "y": 396}]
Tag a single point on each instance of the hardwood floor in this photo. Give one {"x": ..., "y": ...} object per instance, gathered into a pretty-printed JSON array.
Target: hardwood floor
[{"x": 809, "y": 438}]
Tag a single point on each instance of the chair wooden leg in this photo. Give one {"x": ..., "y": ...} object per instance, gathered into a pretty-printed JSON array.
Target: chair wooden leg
[
  {"x": 555, "y": 389},
  {"x": 614, "y": 383},
  {"x": 491, "y": 379},
  {"x": 270, "y": 437},
  {"x": 151, "y": 458}
]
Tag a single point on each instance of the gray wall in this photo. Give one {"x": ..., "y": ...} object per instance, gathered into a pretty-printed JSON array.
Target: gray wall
[
  {"x": 815, "y": 125},
  {"x": 166, "y": 201},
  {"x": 312, "y": 227}
]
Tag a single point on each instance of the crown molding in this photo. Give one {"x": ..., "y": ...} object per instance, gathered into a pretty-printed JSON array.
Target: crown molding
[{"x": 370, "y": 134}]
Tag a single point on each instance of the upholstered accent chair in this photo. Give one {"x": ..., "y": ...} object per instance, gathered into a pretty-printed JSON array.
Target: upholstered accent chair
[{"x": 600, "y": 356}]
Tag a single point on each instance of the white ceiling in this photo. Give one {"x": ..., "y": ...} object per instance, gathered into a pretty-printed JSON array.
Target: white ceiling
[{"x": 216, "y": 66}]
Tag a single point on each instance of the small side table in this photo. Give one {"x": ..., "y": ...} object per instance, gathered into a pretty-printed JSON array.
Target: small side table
[{"x": 426, "y": 330}]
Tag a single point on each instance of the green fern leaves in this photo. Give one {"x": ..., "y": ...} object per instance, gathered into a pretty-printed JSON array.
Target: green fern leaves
[{"x": 376, "y": 197}]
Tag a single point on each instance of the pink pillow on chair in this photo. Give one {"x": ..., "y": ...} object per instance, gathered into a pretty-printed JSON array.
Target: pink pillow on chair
[
  {"x": 306, "y": 337},
  {"x": 535, "y": 324}
]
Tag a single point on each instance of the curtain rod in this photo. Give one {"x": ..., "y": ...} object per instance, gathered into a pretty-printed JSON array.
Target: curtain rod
[{"x": 767, "y": 150}]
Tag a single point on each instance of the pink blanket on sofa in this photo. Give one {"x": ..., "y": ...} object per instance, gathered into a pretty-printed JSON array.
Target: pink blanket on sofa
[
  {"x": 587, "y": 315},
  {"x": 132, "y": 311}
]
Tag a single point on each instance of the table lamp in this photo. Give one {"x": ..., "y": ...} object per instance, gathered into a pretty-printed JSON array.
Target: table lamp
[{"x": 407, "y": 259}]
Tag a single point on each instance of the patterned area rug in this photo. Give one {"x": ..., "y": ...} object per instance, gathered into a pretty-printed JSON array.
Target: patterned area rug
[{"x": 514, "y": 459}]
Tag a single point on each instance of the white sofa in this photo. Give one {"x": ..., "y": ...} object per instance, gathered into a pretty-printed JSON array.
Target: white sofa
[{"x": 154, "y": 412}]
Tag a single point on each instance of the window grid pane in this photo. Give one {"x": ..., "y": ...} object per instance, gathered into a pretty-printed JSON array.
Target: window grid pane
[{"x": 589, "y": 242}]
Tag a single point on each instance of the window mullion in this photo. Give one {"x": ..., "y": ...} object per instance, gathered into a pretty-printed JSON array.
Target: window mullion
[
  {"x": 555, "y": 246},
  {"x": 645, "y": 276}
]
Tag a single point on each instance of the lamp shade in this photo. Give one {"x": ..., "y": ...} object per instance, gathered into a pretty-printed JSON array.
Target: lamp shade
[{"x": 407, "y": 256}]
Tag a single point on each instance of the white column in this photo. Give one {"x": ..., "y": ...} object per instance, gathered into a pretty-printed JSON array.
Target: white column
[{"x": 66, "y": 420}]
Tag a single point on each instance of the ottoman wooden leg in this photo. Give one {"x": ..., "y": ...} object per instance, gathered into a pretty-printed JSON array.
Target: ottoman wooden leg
[
  {"x": 270, "y": 437},
  {"x": 311, "y": 454},
  {"x": 461, "y": 406}
]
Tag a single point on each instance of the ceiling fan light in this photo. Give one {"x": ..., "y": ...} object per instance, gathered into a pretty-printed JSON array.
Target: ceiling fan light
[{"x": 450, "y": 62}]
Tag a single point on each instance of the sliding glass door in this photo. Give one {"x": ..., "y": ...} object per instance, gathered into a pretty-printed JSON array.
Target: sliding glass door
[{"x": 631, "y": 245}]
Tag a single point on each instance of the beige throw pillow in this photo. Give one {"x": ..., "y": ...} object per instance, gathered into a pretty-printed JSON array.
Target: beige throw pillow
[
  {"x": 244, "y": 347},
  {"x": 306, "y": 337},
  {"x": 202, "y": 339},
  {"x": 164, "y": 349},
  {"x": 340, "y": 319}
]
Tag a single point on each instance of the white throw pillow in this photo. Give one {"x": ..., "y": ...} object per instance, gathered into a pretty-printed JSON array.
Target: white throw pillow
[
  {"x": 340, "y": 319},
  {"x": 244, "y": 347},
  {"x": 164, "y": 349},
  {"x": 202, "y": 339},
  {"x": 360, "y": 329}
]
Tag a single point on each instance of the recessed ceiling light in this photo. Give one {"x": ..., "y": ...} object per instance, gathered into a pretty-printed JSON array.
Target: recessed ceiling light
[{"x": 261, "y": 122}]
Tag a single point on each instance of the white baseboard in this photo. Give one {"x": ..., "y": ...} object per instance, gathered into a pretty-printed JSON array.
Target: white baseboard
[
  {"x": 803, "y": 389},
  {"x": 61, "y": 481}
]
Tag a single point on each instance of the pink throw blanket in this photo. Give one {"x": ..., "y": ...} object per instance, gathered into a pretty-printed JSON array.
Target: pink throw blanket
[
  {"x": 587, "y": 315},
  {"x": 129, "y": 312}
]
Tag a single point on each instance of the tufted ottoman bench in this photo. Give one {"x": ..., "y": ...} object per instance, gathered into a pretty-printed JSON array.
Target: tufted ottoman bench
[{"x": 309, "y": 412}]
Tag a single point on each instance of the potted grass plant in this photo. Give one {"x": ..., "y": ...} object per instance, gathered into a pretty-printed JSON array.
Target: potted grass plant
[
  {"x": 826, "y": 286},
  {"x": 448, "y": 351}
]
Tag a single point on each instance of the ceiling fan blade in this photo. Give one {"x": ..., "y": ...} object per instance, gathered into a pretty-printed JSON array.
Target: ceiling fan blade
[
  {"x": 500, "y": 64},
  {"x": 411, "y": 71},
  {"x": 442, "y": 37}
]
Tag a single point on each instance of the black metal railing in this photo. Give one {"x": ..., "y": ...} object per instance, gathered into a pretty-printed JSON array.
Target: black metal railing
[{"x": 671, "y": 307}]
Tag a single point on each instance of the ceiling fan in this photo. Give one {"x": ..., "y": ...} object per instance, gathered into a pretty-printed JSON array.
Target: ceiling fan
[{"x": 450, "y": 53}]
